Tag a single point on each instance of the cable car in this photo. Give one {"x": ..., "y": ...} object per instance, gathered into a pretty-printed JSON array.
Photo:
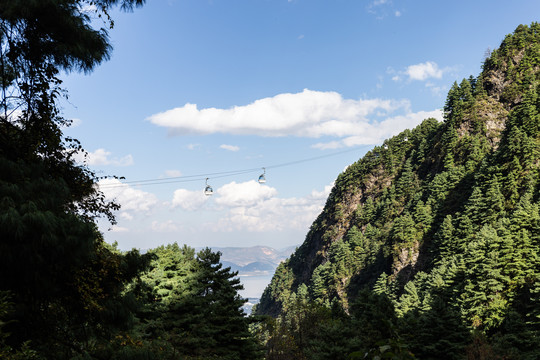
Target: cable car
[
  {"x": 262, "y": 178},
  {"x": 405, "y": 139},
  {"x": 208, "y": 189},
  {"x": 385, "y": 146}
]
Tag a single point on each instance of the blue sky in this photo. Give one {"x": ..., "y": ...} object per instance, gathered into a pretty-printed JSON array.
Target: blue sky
[{"x": 223, "y": 88}]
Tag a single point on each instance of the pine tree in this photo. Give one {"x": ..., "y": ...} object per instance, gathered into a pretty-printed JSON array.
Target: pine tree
[
  {"x": 409, "y": 300},
  {"x": 472, "y": 220},
  {"x": 205, "y": 317},
  {"x": 444, "y": 238},
  {"x": 494, "y": 201},
  {"x": 438, "y": 333},
  {"x": 374, "y": 318},
  {"x": 404, "y": 231},
  {"x": 67, "y": 286},
  {"x": 423, "y": 217},
  {"x": 484, "y": 301},
  {"x": 405, "y": 182}
]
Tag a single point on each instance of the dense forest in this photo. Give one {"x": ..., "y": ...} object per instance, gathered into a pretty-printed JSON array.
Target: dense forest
[
  {"x": 429, "y": 246},
  {"x": 64, "y": 292}
]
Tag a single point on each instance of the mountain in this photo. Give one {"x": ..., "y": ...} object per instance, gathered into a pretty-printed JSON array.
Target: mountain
[
  {"x": 253, "y": 260},
  {"x": 256, "y": 267},
  {"x": 438, "y": 229}
]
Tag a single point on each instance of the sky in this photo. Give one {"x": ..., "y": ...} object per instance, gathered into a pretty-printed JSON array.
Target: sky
[{"x": 221, "y": 89}]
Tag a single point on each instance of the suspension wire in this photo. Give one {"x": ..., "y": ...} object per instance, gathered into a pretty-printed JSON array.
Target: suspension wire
[
  {"x": 217, "y": 175},
  {"x": 205, "y": 175},
  {"x": 179, "y": 179},
  {"x": 311, "y": 159}
]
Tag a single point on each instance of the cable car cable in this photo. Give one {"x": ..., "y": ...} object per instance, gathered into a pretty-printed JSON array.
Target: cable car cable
[{"x": 217, "y": 175}]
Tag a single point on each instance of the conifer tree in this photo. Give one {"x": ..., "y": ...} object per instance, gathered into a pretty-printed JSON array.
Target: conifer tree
[
  {"x": 437, "y": 333},
  {"x": 49, "y": 244},
  {"x": 468, "y": 221},
  {"x": 204, "y": 318}
]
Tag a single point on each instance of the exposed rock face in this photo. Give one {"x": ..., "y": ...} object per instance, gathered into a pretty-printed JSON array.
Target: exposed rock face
[
  {"x": 385, "y": 213},
  {"x": 489, "y": 112},
  {"x": 405, "y": 262}
]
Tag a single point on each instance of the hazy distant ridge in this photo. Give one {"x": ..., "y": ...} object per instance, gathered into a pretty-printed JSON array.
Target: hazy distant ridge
[{"x": 253, "y": 260}]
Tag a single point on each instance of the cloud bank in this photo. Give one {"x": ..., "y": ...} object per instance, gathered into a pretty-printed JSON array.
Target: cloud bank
[
  {"x": 262, "y": 211},
  {"x": 420, "y": 72},
  {"x": 244, "y": 206},
  {"x": 424, "y": 71},
  {"x": 309, "y": 113},
  {"x": 103, "y": 157},
  {"x": 250, "y": 206},
  {"x": 229, "y": 147},
  {"x": 377, "y": 132},
  {"x": 131, "y": 200},
  {"x": 188, "y": 200}
]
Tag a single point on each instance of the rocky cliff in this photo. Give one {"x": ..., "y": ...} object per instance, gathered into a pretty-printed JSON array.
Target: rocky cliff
[{"x": 447, "y": 206}]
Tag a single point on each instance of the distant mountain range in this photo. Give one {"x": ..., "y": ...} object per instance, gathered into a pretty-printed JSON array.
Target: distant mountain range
[{"x": 253, "y": 260}]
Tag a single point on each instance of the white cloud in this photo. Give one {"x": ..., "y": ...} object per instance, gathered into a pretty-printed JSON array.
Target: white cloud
[
  {"x": 189, "y": 200},
  {"x": 262, "y": 211},
  {"x": 436, "y": 90},
  {"x": 382, "y": 9},
  {"x": 102, "y": 157},
  {"x": 244, "y": 194},
  {"x": 329, "y": 145},
  {"x": 250, "y": 206},
  {"x": 322, "y": 195},
  {"x": 86, "y": 8},
  {"x": 229, "y": 147},
  {"x": 424, "y": 71},
  {"x": 428, "y": 72},
  {"x": 305, "y": 114},
  {"x": 165, "y": 226},
  {"x": 131, "y": 200},
  {"x": 116, "y": 228},
  {"x": 389, "y": 127},
  {"x": 126, "y": 216},
  {"x": 73, "y": 123},
  {"x": 192, "y": 146},
  {"x": 173, "y": 173}
]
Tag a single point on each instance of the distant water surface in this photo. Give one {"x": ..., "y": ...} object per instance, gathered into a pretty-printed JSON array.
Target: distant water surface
[{"x": 254, "y": 285}]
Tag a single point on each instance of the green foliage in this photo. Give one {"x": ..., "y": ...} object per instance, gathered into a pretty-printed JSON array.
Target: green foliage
[
  {"x": 434, "y": 236},
  {"x": 309, "y": 331},
  {"x": 192, "y": 308},
  {"x": 6, "y": 351},
  {"x": 66, "y": 285},
  {"x": 205, "y": 317},
  {"x": 64, "y": 293}
]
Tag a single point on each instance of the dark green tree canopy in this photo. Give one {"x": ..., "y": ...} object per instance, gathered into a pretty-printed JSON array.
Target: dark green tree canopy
[
  {"x": 64, "y": 282},
  {"x": 40, "y": 38},
  {"x": 442, "y": 222}
]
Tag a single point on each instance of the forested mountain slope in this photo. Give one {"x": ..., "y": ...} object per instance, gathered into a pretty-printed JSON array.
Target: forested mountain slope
[{"x": 441, "y": 220}]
